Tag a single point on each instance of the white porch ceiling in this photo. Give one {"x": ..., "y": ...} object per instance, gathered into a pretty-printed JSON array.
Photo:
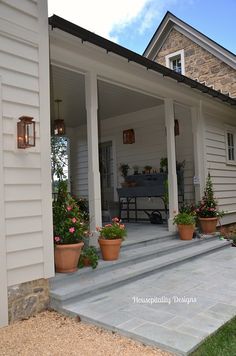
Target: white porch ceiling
[{"x": 114, "y": 100}]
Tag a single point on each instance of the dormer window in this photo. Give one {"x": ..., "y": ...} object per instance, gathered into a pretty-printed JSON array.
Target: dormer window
[{"x": 175, "y": 61}]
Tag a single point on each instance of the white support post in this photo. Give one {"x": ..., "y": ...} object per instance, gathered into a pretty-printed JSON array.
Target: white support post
[
  {"x": 171, "y": 155},
  {"x": 199, "y": 151},
  {"x": 91, "y": 93}
]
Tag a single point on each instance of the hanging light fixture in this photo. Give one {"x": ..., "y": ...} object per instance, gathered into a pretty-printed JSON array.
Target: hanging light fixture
[{"x": 59, "y": 125}]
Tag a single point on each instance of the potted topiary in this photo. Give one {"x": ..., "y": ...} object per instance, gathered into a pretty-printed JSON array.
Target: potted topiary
[
  {"x": 69, "y": 230},
  {"x": 88, "y": 257},
  {"x": 185, "y": 222},
  {"x": 124, "y": 169},
  {"x": 207, "y": 211},
  {"x": 110, "y": 239}
]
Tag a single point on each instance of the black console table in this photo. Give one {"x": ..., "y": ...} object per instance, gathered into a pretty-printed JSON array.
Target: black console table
[
  {"x": 144, "y": 186},
  {"x": 141, "y": 186}
]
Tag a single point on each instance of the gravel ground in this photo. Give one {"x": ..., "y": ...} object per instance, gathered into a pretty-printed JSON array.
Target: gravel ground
[{"x": 51, "y": 334}]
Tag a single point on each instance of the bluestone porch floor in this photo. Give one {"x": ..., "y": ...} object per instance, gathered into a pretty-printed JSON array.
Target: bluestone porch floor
[
  {"x": 174, "y": 324},
  {"x": 144, "y": 231}
]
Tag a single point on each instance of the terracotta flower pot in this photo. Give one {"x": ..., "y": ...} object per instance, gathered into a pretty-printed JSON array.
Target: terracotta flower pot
[
  {"x": 110, "y": 249},
  {"x": 67, "y": 257},
  {"x": 186, "y": 231},
  {"x": 208, "y": 225}
]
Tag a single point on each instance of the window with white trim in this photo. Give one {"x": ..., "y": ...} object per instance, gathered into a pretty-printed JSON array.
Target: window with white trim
[
  {"x": 175, "y": 61},
  {"x": 231, "y": 145}
]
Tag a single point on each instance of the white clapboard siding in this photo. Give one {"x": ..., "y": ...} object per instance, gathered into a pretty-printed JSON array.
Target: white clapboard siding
[
  {"x": 79, "y": 163},
  {"x": 28, "y": 208},
  {"x": 223, "y": 174},
  {"x": 23, "y": 225},
  {"x": 23, "y": 160},
  {"x": 27, "y": 241},
  {"x": 22, "y": 192},
  {"x": 16, "y": 176},
  {"x": 25, "y": 273},
  {"x": 26, "y": 228},
  {"x": 20, "y": 14},
  {"x": 18, "y": 64},
  {"x": 149, "y": 148},
  {"x": 23, "y": 258}
]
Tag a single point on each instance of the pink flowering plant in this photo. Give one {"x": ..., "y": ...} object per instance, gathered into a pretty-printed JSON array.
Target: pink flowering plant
[
  {"x": 115, "y": 230},
  {"x": 69, "y": 224},
  {"x": 207, "y": 207}
]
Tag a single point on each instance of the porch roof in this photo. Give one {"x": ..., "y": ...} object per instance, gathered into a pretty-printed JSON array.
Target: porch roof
[{"x": 88, "y": 36}]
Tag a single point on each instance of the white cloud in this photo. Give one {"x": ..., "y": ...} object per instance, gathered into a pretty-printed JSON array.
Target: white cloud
[{"x": 100, "y": 16}]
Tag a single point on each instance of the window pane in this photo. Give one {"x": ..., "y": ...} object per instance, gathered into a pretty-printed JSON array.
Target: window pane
[
  {"x": 176, "y": 64},
  {"x": 230, "y": 143}
]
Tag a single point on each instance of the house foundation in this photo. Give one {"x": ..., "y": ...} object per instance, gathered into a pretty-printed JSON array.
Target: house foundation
[{"x": 27, "y": 299}]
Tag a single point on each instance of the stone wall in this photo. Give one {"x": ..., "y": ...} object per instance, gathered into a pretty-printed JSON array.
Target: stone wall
[
  {"x": 199, "y": 63},
  {"x": 27, "y": 299}
]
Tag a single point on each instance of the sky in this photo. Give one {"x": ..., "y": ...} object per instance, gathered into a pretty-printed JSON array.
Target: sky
[{"x": 132, "y": 23}]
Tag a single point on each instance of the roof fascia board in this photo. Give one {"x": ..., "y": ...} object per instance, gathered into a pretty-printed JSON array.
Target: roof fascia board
[{"x": 153, "y": 43}]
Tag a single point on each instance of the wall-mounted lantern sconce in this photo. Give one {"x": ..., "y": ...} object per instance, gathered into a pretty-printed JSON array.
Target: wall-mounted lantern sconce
[
  {"x": 25, "y": 132},
  {"x": 128, "y": 137},
  {"x": 59, "y": 124},
  {"x": 176, "y": 127}
]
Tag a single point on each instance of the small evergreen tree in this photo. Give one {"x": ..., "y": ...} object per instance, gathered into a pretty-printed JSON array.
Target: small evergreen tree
[{"x": 208, "y": 205}]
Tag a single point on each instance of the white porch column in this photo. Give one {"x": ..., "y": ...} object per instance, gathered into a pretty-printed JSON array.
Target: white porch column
[
  {"x": 91, "y": 98},
  {"x": 172, "y": 176},
  {"x": 199, "y": 151}
]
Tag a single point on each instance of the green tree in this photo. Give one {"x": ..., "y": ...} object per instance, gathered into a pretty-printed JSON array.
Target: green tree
[{"x": 59, "y": 160}]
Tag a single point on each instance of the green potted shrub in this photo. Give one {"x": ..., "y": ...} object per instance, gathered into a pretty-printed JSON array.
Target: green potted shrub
[
  {"x": 207, "y": 211},
  {"x": 88, "y": 257},
  {"x": 124, "y": 169},
  {"x": 185, "y": 221},
  {"x": 110, "y": 239},
  {"x": 69, "y": 229}
]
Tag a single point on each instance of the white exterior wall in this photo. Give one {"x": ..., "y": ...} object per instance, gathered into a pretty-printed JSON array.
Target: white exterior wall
[
  {"x": 223, "y": 174},
  {"x": 26, "y": 223},
  {"x": 148, "y": 149}
]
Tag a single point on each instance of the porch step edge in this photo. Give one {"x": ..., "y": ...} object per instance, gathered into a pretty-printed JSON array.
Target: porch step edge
[
  {"x": 63, "y": 299},
  {"x": 148, "y": 252}
]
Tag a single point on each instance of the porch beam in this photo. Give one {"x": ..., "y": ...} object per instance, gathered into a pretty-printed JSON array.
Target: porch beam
[
  {"x": 171, "y": 155},
  {"x": 94, "y": 188}
]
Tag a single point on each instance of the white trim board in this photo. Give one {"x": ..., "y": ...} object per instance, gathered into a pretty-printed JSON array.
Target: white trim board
[{"x": 3, "y": 258}]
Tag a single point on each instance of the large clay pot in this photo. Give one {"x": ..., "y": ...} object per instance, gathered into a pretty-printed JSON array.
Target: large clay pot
[
  {"x": 208, "y": 225},
  {"x": 67, "y": 257},
  {"x": 186, "y": 231},
  {"x": 110, "y": 249}
]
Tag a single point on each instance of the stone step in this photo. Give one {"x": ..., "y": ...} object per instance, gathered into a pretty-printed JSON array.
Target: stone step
[
  {"x": 72, "y": 290},
  {"x": 129, "y": 244},
  {"x": 128, "y": 257}
]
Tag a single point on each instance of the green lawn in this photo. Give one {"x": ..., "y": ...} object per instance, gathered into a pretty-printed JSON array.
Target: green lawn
[{"x": 222, "y": 343}]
